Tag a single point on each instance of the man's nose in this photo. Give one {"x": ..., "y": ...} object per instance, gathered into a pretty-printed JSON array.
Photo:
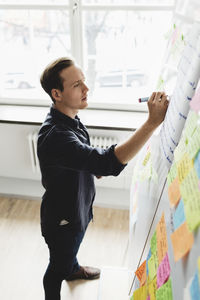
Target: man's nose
[{"x": 85, "y": 87}]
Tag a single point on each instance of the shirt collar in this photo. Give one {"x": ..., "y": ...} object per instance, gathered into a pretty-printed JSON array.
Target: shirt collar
[{"x": 59, "y": 116}]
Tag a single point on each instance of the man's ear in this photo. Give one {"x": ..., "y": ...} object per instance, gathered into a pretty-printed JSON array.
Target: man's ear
[{"x": 56, "y": 94}]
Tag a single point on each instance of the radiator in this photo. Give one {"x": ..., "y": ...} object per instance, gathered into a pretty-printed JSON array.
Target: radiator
[
  {"x": 95, "y": 140},
  {"x": 32, "y": 141}
]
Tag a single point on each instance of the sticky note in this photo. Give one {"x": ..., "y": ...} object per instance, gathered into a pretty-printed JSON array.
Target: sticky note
[
  {"x": 146, "y": 172},
  {"x": 194, "y": 288},
  {"x": 146, "y": 159},
  {"x": 191, "y": 197},
  {"x": 184, "y": 166},
  {"x": 174, "y": 192},
  {"x": 197, "y": 164},
  {"x": 182, "y": 241},
  {"x": 163, "y": 271},
  {"x": 148, "y": 298},
  {"x": 141, "y": 293},
  {"x": 199, "y": 269},
  {"x": 148, "y": 256},
  {"x": 161, "y": 234},
  {"x": 131, "y": 298},
  {"x": 144, "y": 276},
  {"x": 191, "y": 124},
  {"x": 195, "y": 103},
  {"x": 194, "y": 143},
  {"x": 179, "y": 215},
  {"x": 172, "y": 173},
  {"x": 165, "y": 291},
  {"x": 153, "y": 243},
  {"x": 153, "y": 265},
  {"x": 152, "y": 287},
  {"x": 180, "y": 149},
  {"x": 139, "y": 272}
]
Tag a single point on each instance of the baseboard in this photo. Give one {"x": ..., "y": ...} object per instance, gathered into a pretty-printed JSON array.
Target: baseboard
[{"x": 32, "y": 189}]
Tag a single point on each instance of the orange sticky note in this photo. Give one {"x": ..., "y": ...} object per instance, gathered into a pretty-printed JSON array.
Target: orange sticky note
[
  {"x": 174, "y": 192},
  {"x": 161, "y": 234},
  {"x": 144, "y": 276},
  {"x": 139, "y": 272},
  {"x": 182, "y": 241}
]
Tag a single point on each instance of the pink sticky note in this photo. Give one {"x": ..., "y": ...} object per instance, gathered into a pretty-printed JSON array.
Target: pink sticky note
[
  {"x": 148, "y": 298},
  {"x": 163, "y": 271},
  {"x": 195, "y": 102}
]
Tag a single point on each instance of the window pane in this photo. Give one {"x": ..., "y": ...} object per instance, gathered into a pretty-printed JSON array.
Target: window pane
[
  {"x": 123, "y": 59},
  {"x": 35, "y": 1},
  {"x": 29, "y": 41},
  {"x": 129, "y": 2}
]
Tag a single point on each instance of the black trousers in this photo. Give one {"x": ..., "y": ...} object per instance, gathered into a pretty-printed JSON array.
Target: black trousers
[{"x": 63, "y": 246}]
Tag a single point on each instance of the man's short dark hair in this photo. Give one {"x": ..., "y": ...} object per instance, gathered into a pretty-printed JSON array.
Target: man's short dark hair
[{"x": 51, "y": 79}]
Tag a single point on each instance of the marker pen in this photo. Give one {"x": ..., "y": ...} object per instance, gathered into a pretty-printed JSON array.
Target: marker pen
[{"x": 145, "y": 99}]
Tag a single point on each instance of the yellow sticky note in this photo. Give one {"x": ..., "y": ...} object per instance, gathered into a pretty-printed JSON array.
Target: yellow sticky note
[
  {"x": 182, "y": 241},
  {"x": 161, "y": 234},
  {"x": 174, "y": 192},
  {"x": 184, "y": 166},
  {"x": 191, "y": 198},
  {"x": 141, "y": 293},
  {"x": 153, "y": 265},
  {"x": 152, "y": 287}
]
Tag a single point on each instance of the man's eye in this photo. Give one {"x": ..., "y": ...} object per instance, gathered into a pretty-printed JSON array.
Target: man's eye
[{"x": 77, "y": 84}]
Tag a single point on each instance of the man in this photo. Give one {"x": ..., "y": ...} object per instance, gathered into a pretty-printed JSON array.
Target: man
[{"x": 68, "y": 165}]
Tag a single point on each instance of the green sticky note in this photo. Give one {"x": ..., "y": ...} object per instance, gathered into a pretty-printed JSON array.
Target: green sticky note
[
  {"x": 146, "y": 172},
  {"x": 191, "y": 124},
  {"x": 194, "y": 143},
  {"x": 165, "y": 291},
  {"x": 153, "y": 265},
  {"x": 180, "y": 149},
  {"x": 172, "y": 173},
  {"x": 191, "y": 198},
  {"x": 153, "y": 243}
]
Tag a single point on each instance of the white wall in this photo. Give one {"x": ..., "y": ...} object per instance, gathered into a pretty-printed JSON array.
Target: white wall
[{"x": 17, "y": 177}]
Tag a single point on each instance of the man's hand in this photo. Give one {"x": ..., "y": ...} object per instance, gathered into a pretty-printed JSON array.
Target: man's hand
[{"x": 157, "y": 105}]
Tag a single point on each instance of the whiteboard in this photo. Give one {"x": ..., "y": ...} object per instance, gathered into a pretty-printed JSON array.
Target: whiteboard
[{"x": 149, "y": 193}]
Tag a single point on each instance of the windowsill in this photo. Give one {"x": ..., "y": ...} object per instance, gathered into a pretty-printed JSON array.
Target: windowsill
[{"x": 95, "y": 119}]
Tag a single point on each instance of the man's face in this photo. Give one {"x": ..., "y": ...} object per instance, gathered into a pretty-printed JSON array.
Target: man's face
[{"x": 74, "y": 95}]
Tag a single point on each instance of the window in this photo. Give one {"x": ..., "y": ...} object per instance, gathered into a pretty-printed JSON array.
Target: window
[{"x": 118, "y": 43}]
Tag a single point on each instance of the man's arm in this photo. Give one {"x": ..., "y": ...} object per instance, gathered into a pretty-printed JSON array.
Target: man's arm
[{"x": 157, "y": 105}]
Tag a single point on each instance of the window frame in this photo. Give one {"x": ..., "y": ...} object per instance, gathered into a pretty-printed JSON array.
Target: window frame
[{"x": 76, "y": 9}]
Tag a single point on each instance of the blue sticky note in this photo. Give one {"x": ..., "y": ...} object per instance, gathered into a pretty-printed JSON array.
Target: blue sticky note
[
  {"x": 179, "y": 215},
  {"x": 148, "y": 256},
  {"x": 197, "y": 164},
  {"x": 194, "y": 288}
]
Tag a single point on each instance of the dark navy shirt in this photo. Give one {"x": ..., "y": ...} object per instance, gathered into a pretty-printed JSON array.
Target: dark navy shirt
[{"x": 68, "y": 164}]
